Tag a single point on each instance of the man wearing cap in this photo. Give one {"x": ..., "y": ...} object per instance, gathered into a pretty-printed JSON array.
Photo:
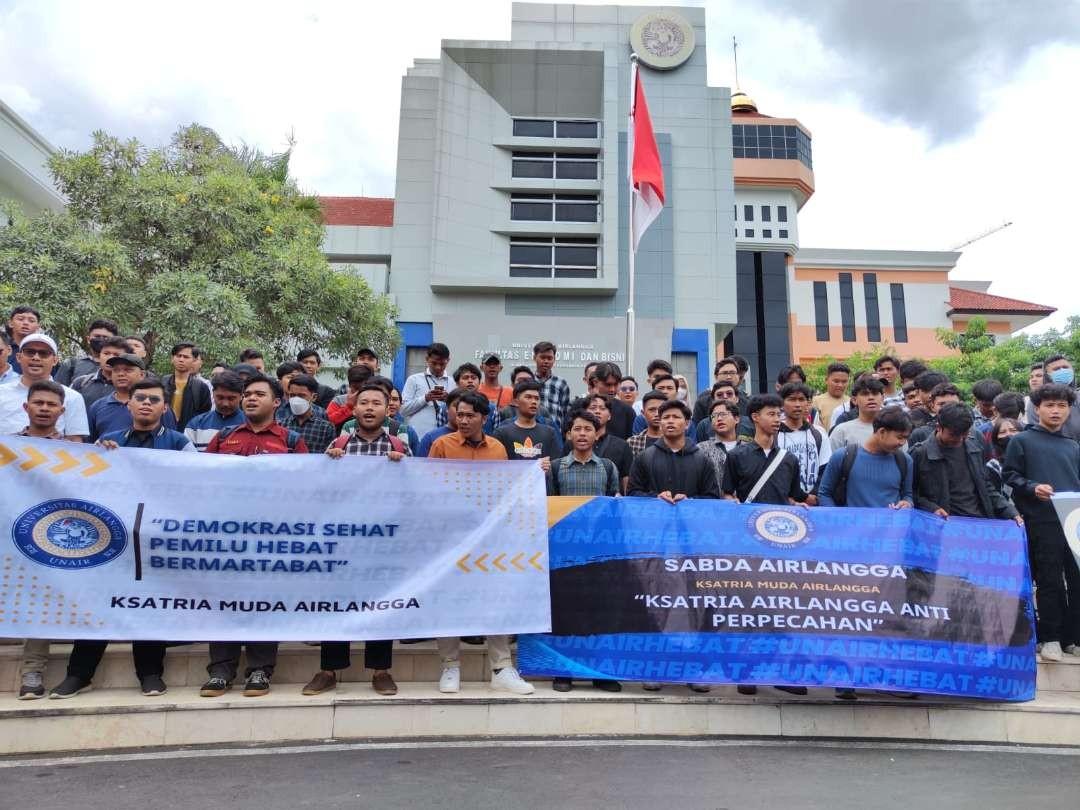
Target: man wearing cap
[
  {"x": 498, "y": 394},
  {"x": 112, "y": 413},
  {"x": 37, "y": 357}
]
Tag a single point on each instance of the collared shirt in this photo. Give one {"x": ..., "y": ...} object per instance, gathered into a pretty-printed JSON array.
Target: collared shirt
[
  {"x": 317, "y": 432},
  {"x": 747, "y": 462},
  {"x": 454, "y": 446},
  {"x": 13, "y": 417},
  {"x": 379, "y": 446},
  {"x": 204, "y": 427},
  {"x": 9, "y": 376},
  {"x": 595, "y": 476},
  {"x": 56, "y": 434},
  {"x": 555, "y": 397},
  {"x": 639, "y": 441},
  {"x": 110, "y": 414},
  {"x": 246, "y": 441},
  {"x": 92, "y": 387},
  {"x": 424, "y": 415}
]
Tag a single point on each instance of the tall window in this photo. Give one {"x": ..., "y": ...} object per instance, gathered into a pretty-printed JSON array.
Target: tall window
[
  {"x": 766, "y": 214},
  {"x": 554, "y": 257},
  {"x": 781, "y": 213},
  {"x": 558, "y": 165},
  {"x": 748, "y": 213},
  {"x": 821, "y": 310},
  {"x": 873, "y": 317},
  {"x": 847, "y": 308},
  {"x": 899, "y": 313},
  {"x": 554, "y": 207}
]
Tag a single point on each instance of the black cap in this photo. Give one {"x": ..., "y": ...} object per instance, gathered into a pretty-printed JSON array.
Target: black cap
[
  {"x": 491, "y": 360},
  {"x": 367, "y": 351},
  {"x": 129, "y": 359}
]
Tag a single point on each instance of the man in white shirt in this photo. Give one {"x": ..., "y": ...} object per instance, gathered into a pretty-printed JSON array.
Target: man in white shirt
[
  {"x": 423, "y": 399},
  {"x": 7, "y": 373},
  {"x": 37, "y": 355}
]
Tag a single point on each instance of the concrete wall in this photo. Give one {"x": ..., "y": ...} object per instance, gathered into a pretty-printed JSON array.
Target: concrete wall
[{"x": 24, "y": 175}]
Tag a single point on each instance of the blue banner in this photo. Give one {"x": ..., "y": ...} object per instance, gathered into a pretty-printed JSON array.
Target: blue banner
[{"x": 719, "y": 592}]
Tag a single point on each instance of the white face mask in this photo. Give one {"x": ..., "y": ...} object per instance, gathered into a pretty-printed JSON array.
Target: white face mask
[
  {"x": 682, "y": 394},
  {"x": 299, "y": 406}
]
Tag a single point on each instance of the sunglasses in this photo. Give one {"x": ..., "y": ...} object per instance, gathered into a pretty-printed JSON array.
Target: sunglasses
[
  {"x": 627, "y": 389},
  {"x": 153, "y": 399},
  {"x": 42, "y": 353}
]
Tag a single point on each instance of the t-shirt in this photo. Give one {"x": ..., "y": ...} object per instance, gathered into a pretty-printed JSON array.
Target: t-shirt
[
  {"x": 72, "y": 422},
  {"x": 963, "y": 501},
  {"x": 500, "y": 395},
  {"x": 528, "y": 444},
  {"x": 854, "y": 432},
  {"x": 825, "y": 405},
  {"x": 810, "y": 447},
  {"x": 178, "y": 398},
  {"x": 874, "y": 480}
]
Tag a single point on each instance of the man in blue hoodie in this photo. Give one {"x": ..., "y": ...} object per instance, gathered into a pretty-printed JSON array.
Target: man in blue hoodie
[{"x": 1040, "y": 461}]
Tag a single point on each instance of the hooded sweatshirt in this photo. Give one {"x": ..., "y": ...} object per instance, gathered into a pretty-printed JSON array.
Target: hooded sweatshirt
[
  {"x": 687, "y": 472},
  {"x": 1039, "y": 456}
]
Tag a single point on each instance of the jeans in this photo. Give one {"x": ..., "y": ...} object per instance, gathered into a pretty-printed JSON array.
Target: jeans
[
  {"x": 498, "y": 651},
  {"x": 35, "y": 656},
  {"x": 1057, "y": 582},
  {"x": 225, "y": 658},
  {"x": 86, "y": 655},
  {"x": 334, "y": 655}
]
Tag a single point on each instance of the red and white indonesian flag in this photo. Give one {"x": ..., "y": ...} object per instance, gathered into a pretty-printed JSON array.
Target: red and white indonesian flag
[{"x": 643, "y": 160}]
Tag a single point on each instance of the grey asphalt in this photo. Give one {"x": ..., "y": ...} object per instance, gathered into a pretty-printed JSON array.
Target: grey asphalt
[{"x": 623, "y": 776}]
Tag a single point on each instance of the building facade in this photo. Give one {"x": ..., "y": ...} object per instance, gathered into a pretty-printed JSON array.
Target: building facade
[{"x": 24, "y": 173}]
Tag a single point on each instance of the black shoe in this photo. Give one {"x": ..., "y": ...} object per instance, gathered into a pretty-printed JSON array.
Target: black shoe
[
  {"x": 747, "y": 689},
  {"x": 215, "y": 687},
  {"x": 474, "y": 639},
  {"x": 258, "y": 684},
  {"x": 32, "y": 686},
  {"x": 605, "y": 685},
  {"x": 845, "y": 694},
  {"x": 415, "y": 640},
  {"x": 562, "y": 684},
  {"x": 152, "y": 685},
  {"x": 71, "y": 686},
  {"x": 700, "y": 688},
  {"x": 792, "y": 690}
]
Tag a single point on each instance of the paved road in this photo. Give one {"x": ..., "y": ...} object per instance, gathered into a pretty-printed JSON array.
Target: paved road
[{"x": 746, "y": 777}]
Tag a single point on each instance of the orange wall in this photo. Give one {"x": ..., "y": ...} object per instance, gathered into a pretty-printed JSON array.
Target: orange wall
[
  {"x": 993, "y": 327},
  {"x": 922, "y": 342}
]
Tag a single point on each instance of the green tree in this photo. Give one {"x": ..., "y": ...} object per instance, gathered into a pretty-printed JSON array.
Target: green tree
[{"x": 191, "y": 241}]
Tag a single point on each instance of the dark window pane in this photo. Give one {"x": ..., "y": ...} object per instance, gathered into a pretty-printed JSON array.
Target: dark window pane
[
  {"x": 566, "y": 212},
  {"x": 577, "y": 240},
  {"x": 737, "y": 140},
  {"x": 576, "y": 171},
  {"x": 781, "y": 213},
  {"x": 748, "y": 213},
  {"x": 547, "y": 155},
  {"x": 738, "y": 152},
  {"x": 789, "y": 132},
  {"x": 873, "y": 317},
  {"x": 526, "y": 128},
  {"x": 530, "y": 272},
  {"x": 531, "y": 211},
  {"x": 821, "y": 310},
  {"x": 783, "y": 234},
  {"x": 847, "y": 308},
  {"x": 899, "y": 313},
  {"x": 767, "y": 234},
  {"x": 766, "y": 213},
  {"x": 532, "y": 168},
  {"x": 751, "y": 152},
  {"x": 749, "y": 233},
  {"x": 530, "y": 254},
  {"x": 577, "y": 129},
  {"x": 561, "y": 272},
  {"x": 575, "y": 256}
]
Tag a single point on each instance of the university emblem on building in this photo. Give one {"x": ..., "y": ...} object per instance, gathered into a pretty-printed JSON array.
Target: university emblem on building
[
  {"x": 780, "y": 528},
  {"x": 69, "y": 534},
  {"x": 662, "y": 40}
]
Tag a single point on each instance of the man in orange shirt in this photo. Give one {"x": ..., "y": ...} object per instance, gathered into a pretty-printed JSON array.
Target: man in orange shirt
[
  {"x": 498, "y": 394},
  {"x": 469, "y": 443}
]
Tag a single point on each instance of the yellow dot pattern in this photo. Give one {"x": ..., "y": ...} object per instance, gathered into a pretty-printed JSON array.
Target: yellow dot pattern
[{"x": 26, "y": 601}]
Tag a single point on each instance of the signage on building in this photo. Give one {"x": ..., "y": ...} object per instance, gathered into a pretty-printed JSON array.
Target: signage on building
[
  {"x": 572, "y": 355},
  {"x": 662, "y": 40}
]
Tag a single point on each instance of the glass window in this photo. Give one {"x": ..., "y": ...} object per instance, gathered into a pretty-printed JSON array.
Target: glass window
[
  {"x": 577, "y": 169},
  {"x": 529, "y": 167},
  {"x": 782, "y": 234},
  {"x": 749, "y": 233},
  {"x": 772, "y": 141},
  {"x": 748, "y": 213},
  {"x": 576, "y": 211},
  {"x": 531, "y": 211},
  {"x": 766, "y": 213},
  {"x": 821, "y": 310},
  {"x": 575, "y": 255},
  {"x": 873, "y": 316},
  {"x": 554, "y": 257},
  {"x": 524, "y": 253},
  {"x": 847, "y": 308},
  {"x": 577, "y": 129},
  {"x": 781, "y": 213},
  {"x": 555, "y": 207},
  {"x": 899, "y": 313},
  {"x": 767, "y": 234},
  {"x": 533, "y": 128}
]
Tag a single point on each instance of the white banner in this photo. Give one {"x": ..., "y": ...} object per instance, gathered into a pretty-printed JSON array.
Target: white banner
[
  {"x": 152, "y": 544},
  {"x": 1067, "y": 505}
]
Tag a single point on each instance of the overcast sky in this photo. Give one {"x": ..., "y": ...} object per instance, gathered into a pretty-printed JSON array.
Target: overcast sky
[{"x": 932, "y": 120}]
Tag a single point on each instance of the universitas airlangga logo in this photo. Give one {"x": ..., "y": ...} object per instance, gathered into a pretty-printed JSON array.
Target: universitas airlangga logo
[
  {"x": 69, "y": 534},
  {"x": 780, "y": 528}
]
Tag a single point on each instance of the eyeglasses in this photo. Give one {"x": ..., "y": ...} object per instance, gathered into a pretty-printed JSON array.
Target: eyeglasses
[
  {"x": 719, "y": 415},
  {"x": 42, "y": 353},
  {"x": 153, "y": 399},
  {"x": 627, "y": 389}
]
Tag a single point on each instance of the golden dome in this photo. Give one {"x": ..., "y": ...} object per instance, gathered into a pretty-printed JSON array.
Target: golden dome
[{"x": 740, "y": 102}]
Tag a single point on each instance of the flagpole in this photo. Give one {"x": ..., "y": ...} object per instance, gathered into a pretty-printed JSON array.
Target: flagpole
[{"x": 630, "y": 219}]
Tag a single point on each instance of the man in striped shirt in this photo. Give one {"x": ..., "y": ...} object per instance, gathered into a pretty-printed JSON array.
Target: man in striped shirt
[{"x": 228, "y": 389}]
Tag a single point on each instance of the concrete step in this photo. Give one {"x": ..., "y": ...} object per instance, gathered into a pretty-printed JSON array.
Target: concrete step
[
  {"x": 121, "y": 718},
  {"x": 186, "y": 665}
]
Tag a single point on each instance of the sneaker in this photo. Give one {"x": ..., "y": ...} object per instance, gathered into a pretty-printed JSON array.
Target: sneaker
[
  {"x": 845, "y": 694},
  {"x": 32, "y": 687},
  {"x": 258, "y": 684},
  {"x": 606, "y": 685},
  {"x": 650, "y": 686},
  {"x": 508, "y": 680},
  {"x": 323, "y": 681},
  {"x": 1051, "y": 651},
  {"x": 747, "y": 689},
  {"x": 792, "y": 690},
  {"x": 71, "y": 686},
  {"x": 700, "y": 688},
  {"x": 450, "y": 680},
  {"x": 383, "y": 684},
  {"x": 215, "y": 687},
  {"x": 562, "y": 684},
  {"x": 152, "y": 685},
  {"x": 1073, "y": 649}
]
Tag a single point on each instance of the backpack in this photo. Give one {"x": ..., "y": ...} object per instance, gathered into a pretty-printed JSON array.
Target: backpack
[
  {"x": 291, "y": 440},
  {"x": 343, "y": 439},
  {"x": 565, "y": 461},
  {"x": 850, "y": 453}
]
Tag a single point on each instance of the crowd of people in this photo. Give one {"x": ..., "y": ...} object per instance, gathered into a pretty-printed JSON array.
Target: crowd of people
[{"x": 898, "y": 436}]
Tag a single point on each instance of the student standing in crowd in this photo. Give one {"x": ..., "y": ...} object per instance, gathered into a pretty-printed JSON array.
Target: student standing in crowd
[
  {"x": 311, "y": 360},
  {"x": 804, "y": 440},
  {"x": 628, "y": 393},
  {"x": 942, "y": 394},
  {"x": 834, "y": 399},
  {"x": 554, "y": 392},
  {"x": 984, "y": 393},
  {"x": 498, "y": 395},
  {"x": 524, "y": 438},
  {"x": 724, "y": 416},
  {"x": 37, "y": 358},
  {"x": 650, "y": 409},
  {"x": 868, "y": 395},
  {"x": 316, "y": 430},
  {"x": 1059, "y": 371},
  {"x": 96, "y": 334},
  {"x": 424, "y": 395},
  {"x": 187, "y": 396},
  {"x": 7, "y": 371},
  {"x": 98, "y": 384},
  {"x": 112, "y": 413},
  {"x": 226, "y": 413},
  {"x": 604, "y": 379},
  {"x": 607, "y": 446},
  {"x": 22, "y": 321},
  {"x": 1039, "y": 462},
  {"x": 887, "y": 369}
]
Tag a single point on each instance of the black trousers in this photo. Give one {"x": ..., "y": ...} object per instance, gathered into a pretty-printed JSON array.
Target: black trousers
[
  {"x": 334, "y": 655},
  {"x": 86, "y": 655},
  {"x": 1057, "y": 582}
]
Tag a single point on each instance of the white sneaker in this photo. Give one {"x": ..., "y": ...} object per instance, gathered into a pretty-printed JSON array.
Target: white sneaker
[
  {"x": 450, "y": 681},
  {"x": 508, "y": 680},
  {"x": 1073, "y": 649},
  {"x": 1051, "y": 651}
]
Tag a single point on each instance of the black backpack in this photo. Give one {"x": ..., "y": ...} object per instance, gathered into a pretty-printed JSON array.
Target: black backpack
[{"x": 850, "y": 453}]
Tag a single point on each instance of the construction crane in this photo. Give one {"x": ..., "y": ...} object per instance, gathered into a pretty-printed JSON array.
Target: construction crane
[{"x": 983, "y": 235}]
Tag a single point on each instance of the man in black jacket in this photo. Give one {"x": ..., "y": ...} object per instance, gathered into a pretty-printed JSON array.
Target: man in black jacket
[
  {"x": 673, "y": 469},
  {"x": 950, "y": 475},
  {"x": 604, "y": 379},
  {"x": 1040, "y": 461},
  {"x": 185, "y": 392}
]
